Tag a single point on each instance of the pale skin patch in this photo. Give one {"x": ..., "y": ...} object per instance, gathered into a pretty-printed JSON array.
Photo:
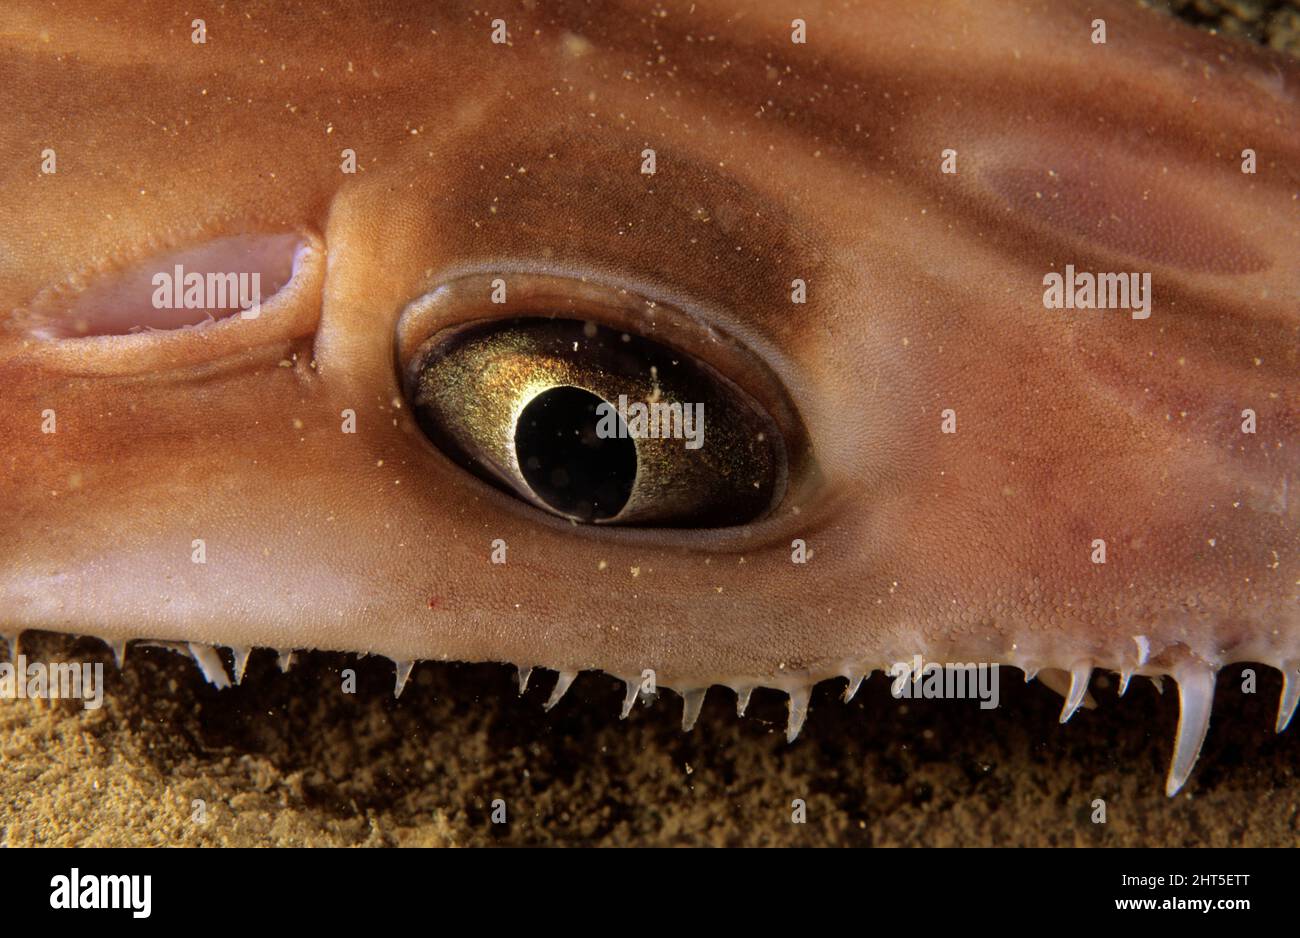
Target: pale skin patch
[{"x": 922, "y": 295}]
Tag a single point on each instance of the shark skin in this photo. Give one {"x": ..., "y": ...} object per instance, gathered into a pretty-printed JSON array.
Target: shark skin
[{"x": 959, "y": 449}]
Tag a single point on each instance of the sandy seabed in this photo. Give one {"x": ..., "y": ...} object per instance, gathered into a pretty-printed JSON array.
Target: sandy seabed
[{"x": 289, "y": 759}]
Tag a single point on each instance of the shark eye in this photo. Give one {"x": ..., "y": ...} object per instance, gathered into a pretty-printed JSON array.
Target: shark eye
[{"x": 597, "y": 425}]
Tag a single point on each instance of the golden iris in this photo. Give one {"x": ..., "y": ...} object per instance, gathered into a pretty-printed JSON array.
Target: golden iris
[{"x": 597, "y": 425}]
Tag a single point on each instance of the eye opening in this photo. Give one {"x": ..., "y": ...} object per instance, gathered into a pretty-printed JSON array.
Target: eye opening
[
  {"x": 460, "y": 305},
  {"x": 481, "y": 389}
]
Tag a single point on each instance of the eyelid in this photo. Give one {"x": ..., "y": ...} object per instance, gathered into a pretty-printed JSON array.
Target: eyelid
[
  {"x": 291, "y": 312},
  {"x": 468, "y": 298}
]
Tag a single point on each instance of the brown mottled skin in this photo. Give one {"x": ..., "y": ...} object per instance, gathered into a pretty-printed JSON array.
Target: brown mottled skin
[{"x": 775, "y": 161}]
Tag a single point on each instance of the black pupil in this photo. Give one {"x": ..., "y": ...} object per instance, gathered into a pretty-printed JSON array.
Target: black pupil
[{"x": 568, "y": 466}]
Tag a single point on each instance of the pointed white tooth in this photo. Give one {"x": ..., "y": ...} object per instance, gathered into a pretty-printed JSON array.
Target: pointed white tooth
[
  {"x": 284, "y": 658},
  {"x": 1144, "y": 649},
  {"x": 633, "y": 688},
  {"x": 798, "y": 712},
  {"x": 1061, "y": 681},
  {"x": 1080, "y": 674},
  {"x": 742, "y": 699},
  {"x": 562, "y": 683},
  {"x": 241, "y": 662},
  {"x": 1290, "y": 693},
  {"x": 522, "y": 675},
  {"x": 118, "y": 647},
  {"x": 1159, "y": 681},
  {"x": 1124, "y": 677},
  {"x": 209, "y": 662},
  {"x": 1030, "y": 674},
  {"x": 403, "y": 671},
  {"x": 855, "y": 681},
  {"x": 1195, "y": 700},
  {"x": 692, "y": 701}
]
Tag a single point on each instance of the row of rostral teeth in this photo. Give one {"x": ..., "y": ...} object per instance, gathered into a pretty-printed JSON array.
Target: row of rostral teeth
[{"x": 1195, "y": 681}]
